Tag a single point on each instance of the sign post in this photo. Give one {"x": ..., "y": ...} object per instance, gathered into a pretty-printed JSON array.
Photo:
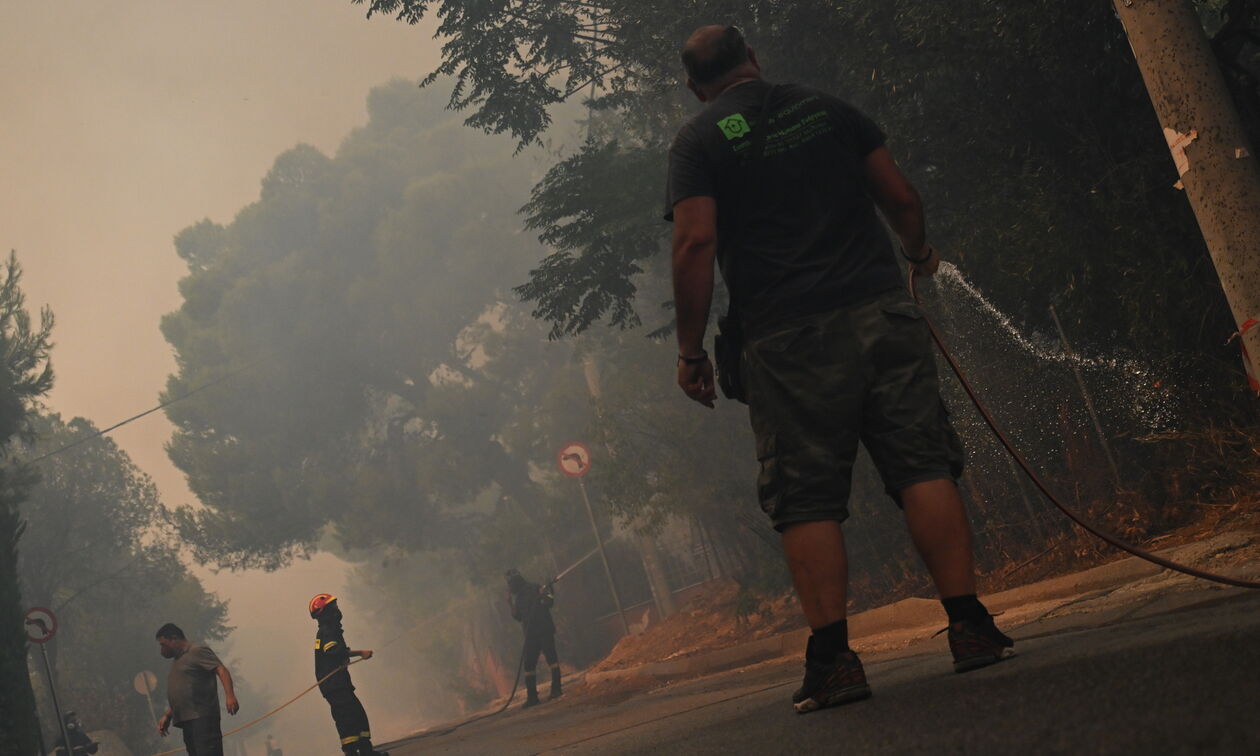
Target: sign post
[
  {"x": 574, "y": 460},
  {"x": 41, "y": 626},
  {"x": 145, "y": 682}
]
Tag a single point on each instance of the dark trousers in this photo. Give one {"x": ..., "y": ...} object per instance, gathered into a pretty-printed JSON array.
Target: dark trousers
[
  {"x": 546, "y": 644},
  {"x": 202, "y": 736},
  {"x": 350, "y": 718},
  {"x": 536, "y": 643}
]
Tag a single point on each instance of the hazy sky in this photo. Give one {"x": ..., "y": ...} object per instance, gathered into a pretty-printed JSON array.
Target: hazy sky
[{"x": 122, "y": 123}]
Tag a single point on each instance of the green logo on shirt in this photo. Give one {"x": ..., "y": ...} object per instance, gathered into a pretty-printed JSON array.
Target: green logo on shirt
[{"x": 734, "y": 126}]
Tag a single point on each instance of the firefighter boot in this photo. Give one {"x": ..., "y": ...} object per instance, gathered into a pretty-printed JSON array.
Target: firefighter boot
[
  {"x": 531, "y": 690},
  {"x": 366, "y": 749},
  {"x": 555, "y": 683}
]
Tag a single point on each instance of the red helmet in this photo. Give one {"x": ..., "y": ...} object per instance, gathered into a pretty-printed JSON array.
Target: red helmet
[{"x": 319, "y": 602}]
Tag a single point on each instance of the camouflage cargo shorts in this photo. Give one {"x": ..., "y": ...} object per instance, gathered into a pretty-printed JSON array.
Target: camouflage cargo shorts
[{"x": 819, "y": 385}]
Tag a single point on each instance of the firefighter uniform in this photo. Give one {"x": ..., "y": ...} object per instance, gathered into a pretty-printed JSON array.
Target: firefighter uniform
[
  {"x": 531, "y": 606},
  {"x": 332, "y": 655}
]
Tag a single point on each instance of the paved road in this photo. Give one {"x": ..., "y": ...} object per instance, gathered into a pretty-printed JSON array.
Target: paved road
[{"x": 1177, "y": 672}]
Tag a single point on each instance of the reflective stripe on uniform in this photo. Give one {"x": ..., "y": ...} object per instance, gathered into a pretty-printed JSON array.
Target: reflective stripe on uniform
[
  {"x": 366, "y": 735},
  {"x": 349, "y": 740},
  {"x": 329, "y": 645}
]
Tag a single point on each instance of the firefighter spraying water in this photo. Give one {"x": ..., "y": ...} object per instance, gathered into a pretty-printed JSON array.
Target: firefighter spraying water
[{"x": 531, "y": 606}]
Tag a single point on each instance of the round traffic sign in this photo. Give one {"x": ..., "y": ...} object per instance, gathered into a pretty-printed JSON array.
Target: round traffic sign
[
  {"x": 40, "y": 624},
  {"x": 145, "y": 682},
  {"x": 574, "y": 460}
]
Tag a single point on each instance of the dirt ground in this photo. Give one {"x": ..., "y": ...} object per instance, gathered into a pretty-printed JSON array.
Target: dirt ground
[{"x": 706, "y": 623}]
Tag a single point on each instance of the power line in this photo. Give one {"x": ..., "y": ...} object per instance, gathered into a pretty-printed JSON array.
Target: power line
[{"x": 133, "y": 418}]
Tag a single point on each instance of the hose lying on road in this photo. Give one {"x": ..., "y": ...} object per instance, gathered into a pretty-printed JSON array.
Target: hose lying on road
[
  {"x": 448, "y": 730},
  {"x": 1072, "y": 515}
]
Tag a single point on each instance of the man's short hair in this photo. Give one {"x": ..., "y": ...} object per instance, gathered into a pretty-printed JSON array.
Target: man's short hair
[
  {"x": 170, "y": 631},
  {"x": 708, "y": 63}
]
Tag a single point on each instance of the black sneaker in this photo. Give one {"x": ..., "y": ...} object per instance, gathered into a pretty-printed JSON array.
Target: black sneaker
[
  {"x": 531, "y": 702},
  {"x": 977, "y": 643},
  {"x": 841, "y": 682}
]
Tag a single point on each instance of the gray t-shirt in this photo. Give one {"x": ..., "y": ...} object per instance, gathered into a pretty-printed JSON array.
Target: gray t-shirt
[{"x": 192, "y": 687}]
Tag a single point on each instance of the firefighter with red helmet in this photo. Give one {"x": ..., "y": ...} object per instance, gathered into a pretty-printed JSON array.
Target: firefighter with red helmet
[{"x": 332, "y": 656}]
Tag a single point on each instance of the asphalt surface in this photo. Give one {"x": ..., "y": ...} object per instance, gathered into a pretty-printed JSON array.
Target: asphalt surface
[{"x": 1172, "y": 673}]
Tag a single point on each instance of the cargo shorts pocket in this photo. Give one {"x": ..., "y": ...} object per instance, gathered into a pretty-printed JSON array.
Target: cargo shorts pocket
[
  {"x": 769, "y": 479},
  {"x": 900, "y": 344},
  {"x": 903, "y": 309}
]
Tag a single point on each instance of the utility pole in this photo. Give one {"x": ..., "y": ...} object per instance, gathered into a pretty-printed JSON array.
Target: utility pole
[
  {"x": 574, "y": 460},
  {"x": 52, "y": 691},
  {"x": 603, "y": 555},
  {"x": 1208, "y": 145}
]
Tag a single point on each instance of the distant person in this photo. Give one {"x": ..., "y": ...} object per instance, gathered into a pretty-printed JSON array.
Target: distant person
[
  {"x": 531, "y": 606},
  {"x": 272, "y": 750},
  {"x": 80, "y": 743},
  {"x": 332, "y": 656},
  {"x": 192, "y": 692},
  {"x": 780, "y": 185}
]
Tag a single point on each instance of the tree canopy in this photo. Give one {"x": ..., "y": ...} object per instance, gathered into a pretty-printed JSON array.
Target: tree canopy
[
  {"x": 25, "y": 376},
  {"x": 1026, "y": 128},
  {"x": 350, "y": 303}
]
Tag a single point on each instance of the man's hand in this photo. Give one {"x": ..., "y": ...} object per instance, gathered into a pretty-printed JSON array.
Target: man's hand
[
  {"x": 929, "y": 266},
  {"x": 696, "y": 381},
  {"x": 233, "y": 705},
  {"x": 164, "y": 724},
  {"x": 365, "y": 653}
]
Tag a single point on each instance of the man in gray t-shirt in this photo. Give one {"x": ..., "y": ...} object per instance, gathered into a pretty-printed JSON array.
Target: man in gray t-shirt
[{"x": 193, "y": 694}]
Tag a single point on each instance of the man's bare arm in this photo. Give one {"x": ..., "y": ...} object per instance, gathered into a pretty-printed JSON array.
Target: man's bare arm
[
  {"x": 229, "y": 693},
  {"x": 694, "y": 253},
  {"x": 901, "y": 206}
]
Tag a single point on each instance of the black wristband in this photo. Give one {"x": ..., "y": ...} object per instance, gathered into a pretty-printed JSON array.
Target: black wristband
[
  {"x": 918, "y": 260},
  {"x": 703, "y": 356}
]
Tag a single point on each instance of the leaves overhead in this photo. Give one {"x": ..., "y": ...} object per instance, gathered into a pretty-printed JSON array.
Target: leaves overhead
[
  {"x": 1025, "y": 126},
  {"x": 588, "y": 207}
]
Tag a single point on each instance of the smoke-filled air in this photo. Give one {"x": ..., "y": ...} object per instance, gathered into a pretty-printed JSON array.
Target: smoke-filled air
[{"x": 384, "y": 331}]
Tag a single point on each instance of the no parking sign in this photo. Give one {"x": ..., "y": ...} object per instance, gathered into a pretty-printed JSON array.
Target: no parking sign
[
  {"x": 574, "y": 460},
  {"x": 40, "y": 624}
]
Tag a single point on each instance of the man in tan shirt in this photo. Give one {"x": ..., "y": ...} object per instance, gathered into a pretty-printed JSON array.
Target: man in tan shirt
[{"x": 192, "y": 693}]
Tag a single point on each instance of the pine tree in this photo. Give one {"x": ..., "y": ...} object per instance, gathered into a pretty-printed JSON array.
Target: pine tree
[{"x": 25, "y": 375}]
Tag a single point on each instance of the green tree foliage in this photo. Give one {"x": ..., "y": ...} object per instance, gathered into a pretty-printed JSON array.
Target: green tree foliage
[
  {"x": 350, "y": 303},
  {"x": 1025, "y": 125},
  {"x": 25, "y": 375},
  {"x": 99, "y": 551}
]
